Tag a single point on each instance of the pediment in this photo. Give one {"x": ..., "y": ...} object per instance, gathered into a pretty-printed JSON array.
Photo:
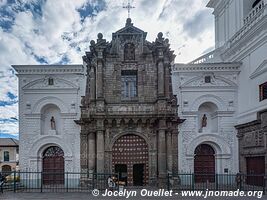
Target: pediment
[
  {"x": 260, "y": 70},
  {"x": 130, "y": 29},
  {"x": 216, "y": 81},
  {"x": 43, "y": 84}
]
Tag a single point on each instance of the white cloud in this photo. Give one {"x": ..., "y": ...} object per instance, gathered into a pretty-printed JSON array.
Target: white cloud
[{"x": 59, "y": 31}]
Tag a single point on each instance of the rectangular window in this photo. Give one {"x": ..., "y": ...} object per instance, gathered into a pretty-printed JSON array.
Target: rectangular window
[
  {"x": 6, "y": 156},
  {"x": 129, "y": 84},
  {"x": 263, "y": 91}
]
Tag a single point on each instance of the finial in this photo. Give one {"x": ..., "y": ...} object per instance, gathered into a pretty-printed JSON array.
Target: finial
[
  {"x": 129, "y": 22},
  {"x": 129, "y": 7},
  {"x": 100, "y": 36},
  {"x": 160, "y": 35}
]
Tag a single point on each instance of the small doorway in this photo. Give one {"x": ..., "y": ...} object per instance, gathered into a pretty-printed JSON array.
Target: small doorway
[
  {"x": 138, "y": 174},
  {"x": 204, "y": 163},
  {"x": 255, "y": 170},
  {"x": 121, "y": 169}
]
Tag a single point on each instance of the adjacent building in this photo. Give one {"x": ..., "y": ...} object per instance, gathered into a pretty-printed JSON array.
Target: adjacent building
[{"x": 9, "y": 149}]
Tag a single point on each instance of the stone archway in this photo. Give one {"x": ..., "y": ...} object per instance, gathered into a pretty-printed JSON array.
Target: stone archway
[
  {"x": 204, "y": 163},
  {"x": 130, "y": 160},
  {"x": 53, "y": 165}
]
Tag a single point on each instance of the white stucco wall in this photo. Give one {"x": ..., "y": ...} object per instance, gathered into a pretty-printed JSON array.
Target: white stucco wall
[
  {"x": 62, "y": 100},
  {"x": 192, "y": 92}
]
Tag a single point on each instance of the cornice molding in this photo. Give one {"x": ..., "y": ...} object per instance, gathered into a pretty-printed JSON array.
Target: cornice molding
[
  {"x": 208, "y": 67},
  {"x": 260, "y": 70},
  {"x": 48, "y": 69}
]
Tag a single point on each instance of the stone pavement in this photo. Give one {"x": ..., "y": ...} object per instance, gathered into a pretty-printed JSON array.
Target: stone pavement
[{"x": 87, "y": 196}]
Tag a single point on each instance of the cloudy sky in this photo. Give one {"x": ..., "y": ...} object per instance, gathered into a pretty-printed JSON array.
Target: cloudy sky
[{"x": 59, "y": 32}]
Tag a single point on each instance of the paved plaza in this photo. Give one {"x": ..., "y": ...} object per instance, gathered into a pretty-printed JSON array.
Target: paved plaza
[{"x": 85, "y": 196}]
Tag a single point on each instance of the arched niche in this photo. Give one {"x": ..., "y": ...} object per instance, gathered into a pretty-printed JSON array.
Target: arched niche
[
  {"x": 208, "y": 118},
  {"x": 51, "y": 120}
]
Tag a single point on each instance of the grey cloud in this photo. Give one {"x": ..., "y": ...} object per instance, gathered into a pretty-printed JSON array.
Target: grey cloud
[{"x": 201, "y": 21}]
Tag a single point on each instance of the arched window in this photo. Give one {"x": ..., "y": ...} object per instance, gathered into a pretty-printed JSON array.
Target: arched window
[
  {"x": 53, "y": 151},
  {"x": 129, "y": 52}
]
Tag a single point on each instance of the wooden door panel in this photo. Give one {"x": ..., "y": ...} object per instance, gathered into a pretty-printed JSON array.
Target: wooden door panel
[
  {"x": 204, "y": 164},
  {"x": 255, "y": 170}
]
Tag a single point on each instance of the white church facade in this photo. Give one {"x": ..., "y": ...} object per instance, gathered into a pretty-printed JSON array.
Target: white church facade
[
  {"x": 47, "y": 92},
  {"x": 228, "y": 85},
  {"x": 207, "y": 91},
  {"x": 222, "y": 96}
]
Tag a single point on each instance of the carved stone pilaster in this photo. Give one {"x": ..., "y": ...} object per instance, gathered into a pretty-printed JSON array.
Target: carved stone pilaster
[
  {"x": 175, "y": 152},
  {"x": 91, "y": 152},
  {"x": 84, "y": 152},
  {"x": 169, "y": 151},
  {"x": 100, "y": 151}
]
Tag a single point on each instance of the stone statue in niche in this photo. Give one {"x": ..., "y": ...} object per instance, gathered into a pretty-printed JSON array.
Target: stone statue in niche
[
  {"x": 129, "y": 51},
  {"x": 53, "y": 123},
  {"x": 204, "y": 121}
]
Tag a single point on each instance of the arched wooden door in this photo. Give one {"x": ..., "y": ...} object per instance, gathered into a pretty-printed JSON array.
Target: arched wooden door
[
  {"x": 6, "y": 169},
  {"x": 130, "y": 160},
  {"x": 53, "y": 165},
  {"x": 204, "y": 163}
]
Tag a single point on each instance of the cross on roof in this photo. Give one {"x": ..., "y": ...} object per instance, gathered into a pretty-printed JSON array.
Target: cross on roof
[{"x": 129, "y": 7}]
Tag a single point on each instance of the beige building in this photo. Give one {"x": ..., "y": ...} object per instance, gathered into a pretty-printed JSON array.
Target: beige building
[{"x": 8, "y": 154}]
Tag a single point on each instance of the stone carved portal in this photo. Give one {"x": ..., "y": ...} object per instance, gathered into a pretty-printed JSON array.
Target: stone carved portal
[{"x": 130, "y": 160}]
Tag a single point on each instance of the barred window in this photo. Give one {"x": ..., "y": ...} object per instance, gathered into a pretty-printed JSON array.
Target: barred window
[
  {"x": 129, "y": 84},
  {"x": 263, "y": 91}
]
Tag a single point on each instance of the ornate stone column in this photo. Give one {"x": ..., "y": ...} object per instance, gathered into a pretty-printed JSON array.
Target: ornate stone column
[
  {"x": 84, "y": 152},
  {"x": 92, "y": 84},
  {"x": 153, "y": 161},
  {"x": 100, "y": 147},
  {"x": 160, "y": 78},
  {"x": 99, "y": 77},
  {"x": 162, "y": 153},
  {"x": 91, "y": 152},
  {"x": 174, "y": 152},
  {"x": 167, "y": 79},
  {"x": 169, "y": 151}
]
